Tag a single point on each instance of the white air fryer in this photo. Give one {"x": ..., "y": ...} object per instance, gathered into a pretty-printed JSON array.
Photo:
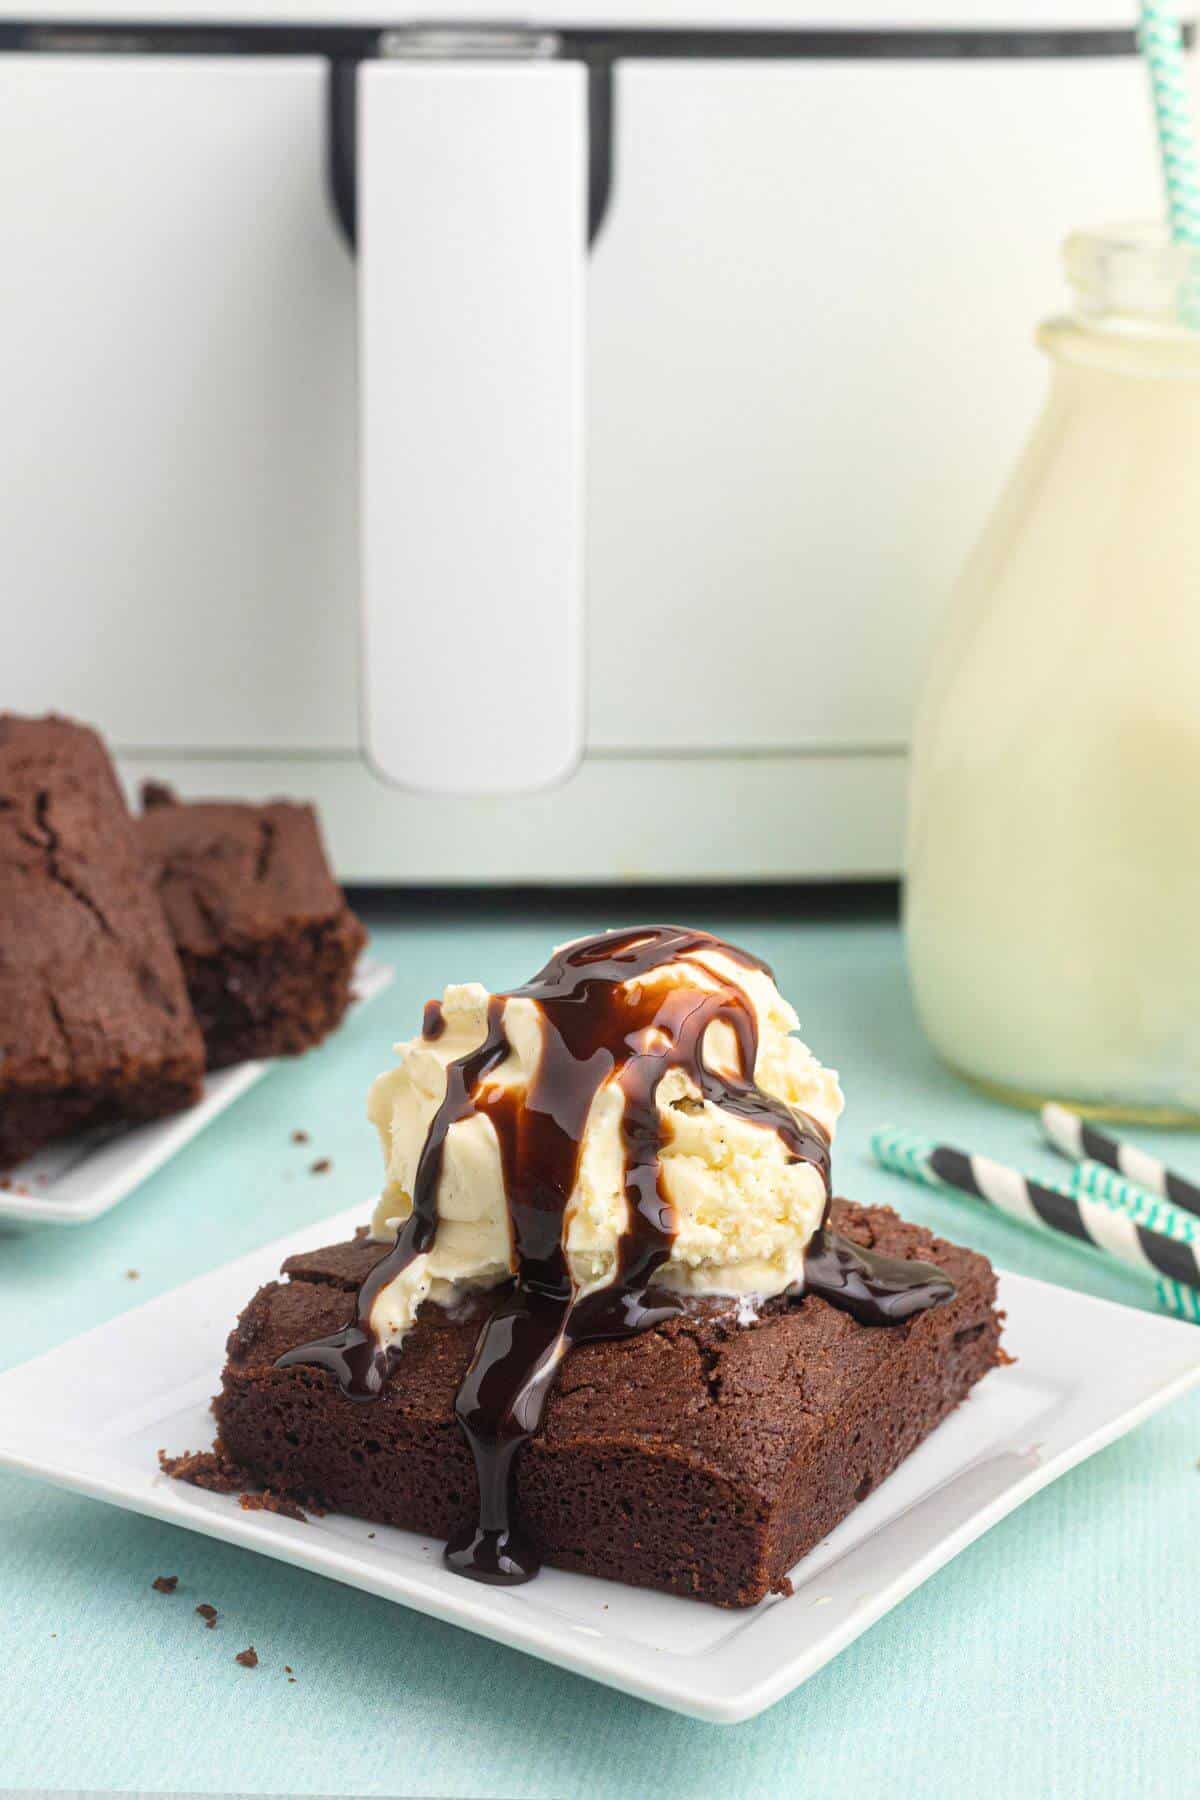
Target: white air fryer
[{"x": 545, "y": 446}]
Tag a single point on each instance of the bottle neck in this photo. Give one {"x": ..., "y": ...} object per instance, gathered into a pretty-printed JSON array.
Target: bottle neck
[{"x": 1135, "y": 304}]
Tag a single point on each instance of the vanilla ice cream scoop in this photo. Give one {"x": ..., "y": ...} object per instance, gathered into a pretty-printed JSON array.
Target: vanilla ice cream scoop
[
  {"x": 634, "y": 1125},
  {"x": 646, "y": 1089}
]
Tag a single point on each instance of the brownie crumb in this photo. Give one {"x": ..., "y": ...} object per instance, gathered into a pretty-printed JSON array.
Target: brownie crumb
[
  {"x": 133, "y": 1274},
  {"x": 299, "y": 1136},
  {"x": 248, "y": 1658},
  {"x": 287, "y": 1668},
  {"x": 322, "y": 1166},
  {"x": 210, "y": 1469},
  {"x": 165, "y": 1584},
  {"x": 272, "y": 1503},
  {"x": 207, "y": 1613},
  {"x": 219, "y": 1474}
]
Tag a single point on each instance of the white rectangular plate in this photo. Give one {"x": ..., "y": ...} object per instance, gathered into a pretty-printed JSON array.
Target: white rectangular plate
[
  {"x": 78, "y": 1179},
  {"x": 92, "y": 1414}
]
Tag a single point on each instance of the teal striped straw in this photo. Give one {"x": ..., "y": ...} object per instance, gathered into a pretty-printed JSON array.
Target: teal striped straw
[
  {"x": 1161, "y": 39},
  {"x": 1180, "y": 1301},
  {"x": 1092, "y": 1181},
  {"x": 910, "y": 1153},
  {"x": 1099, "y": 1183}
]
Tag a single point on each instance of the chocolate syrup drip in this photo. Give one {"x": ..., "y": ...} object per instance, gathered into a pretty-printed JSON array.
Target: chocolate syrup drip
[
  {"x": 874, "y": 1289},
  {"x": 434, "y": 1022},
  {"x": 600, "y": 1020}
]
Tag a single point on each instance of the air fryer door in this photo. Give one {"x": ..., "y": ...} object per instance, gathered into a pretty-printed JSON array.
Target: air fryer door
[{"x": 177, "y": 441}]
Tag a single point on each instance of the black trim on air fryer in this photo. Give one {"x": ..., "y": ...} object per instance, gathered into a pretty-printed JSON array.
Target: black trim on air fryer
[
  {"x": 343, "y": 138},
  {"x": 601, "y": 103},
  {"x": 357, "y": 41},
  {"x": 347, "y": 46},
  {"x": 341, "y": 162}
]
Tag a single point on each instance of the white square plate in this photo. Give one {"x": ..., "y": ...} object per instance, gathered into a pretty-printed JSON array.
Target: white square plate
[
  {"x": 92, "y": 1414},
  {"x": 78, "y": 1179}
]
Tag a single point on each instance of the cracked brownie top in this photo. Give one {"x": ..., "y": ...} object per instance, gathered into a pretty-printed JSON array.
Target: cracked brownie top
[{"x": 91, "y": 991}]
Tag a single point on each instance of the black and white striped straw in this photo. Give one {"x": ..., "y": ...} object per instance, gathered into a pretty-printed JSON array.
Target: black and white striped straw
[
  {"x": 1076, "y": 1138},
  {"x": 1119, "y": 1223}
]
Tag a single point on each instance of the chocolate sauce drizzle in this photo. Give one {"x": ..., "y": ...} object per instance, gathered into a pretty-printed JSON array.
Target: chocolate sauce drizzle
[{"x": 600, "y": 1020}]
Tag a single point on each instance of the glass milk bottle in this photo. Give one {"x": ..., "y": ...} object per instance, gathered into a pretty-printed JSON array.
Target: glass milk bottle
[{"x": 1053, "y": 897}]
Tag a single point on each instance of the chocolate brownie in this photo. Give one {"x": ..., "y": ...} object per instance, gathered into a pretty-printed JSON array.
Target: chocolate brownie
[
  {"x": 704, "y": 1457},
  {"x": 94, "y": 1016},
  {"x": 267, "y": 941}
]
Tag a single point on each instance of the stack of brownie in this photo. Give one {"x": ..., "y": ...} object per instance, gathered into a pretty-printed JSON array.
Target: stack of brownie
[
  {"x": 134, "y": 953},
  {"x": 267, "y": 942}
]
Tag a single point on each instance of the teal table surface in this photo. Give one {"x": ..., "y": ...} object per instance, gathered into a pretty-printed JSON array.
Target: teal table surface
[{"x": 1057, "y": 1656}]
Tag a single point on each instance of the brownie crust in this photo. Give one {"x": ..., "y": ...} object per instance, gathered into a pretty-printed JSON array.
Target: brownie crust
[
  {"x": 702, "y": 1458},
  {"x": 267, "y": 942},
  {"x": 95, "y": 1022}
]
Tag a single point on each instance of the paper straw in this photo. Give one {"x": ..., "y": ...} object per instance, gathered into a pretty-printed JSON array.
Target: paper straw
[
  {"x": 1183, "y": 1302},
  {"x": 1092, "y": 1181},
  {"x": 1161, "y": 39},
  {"x": 1077, "y": 1139},
  {"x": 1116, "y": 1224}
]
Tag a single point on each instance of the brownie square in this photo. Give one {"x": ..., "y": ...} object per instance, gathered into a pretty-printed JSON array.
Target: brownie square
[
  {"x": 95, "y": 1022},
  {"x": 267, "y": 942},
  {"x": 701, "y": 1458}
]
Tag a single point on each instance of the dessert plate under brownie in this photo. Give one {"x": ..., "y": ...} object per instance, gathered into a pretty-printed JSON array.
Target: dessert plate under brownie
[
  {"x": 79, "y": 1178},
  {"x": 92, "y": 1414}
]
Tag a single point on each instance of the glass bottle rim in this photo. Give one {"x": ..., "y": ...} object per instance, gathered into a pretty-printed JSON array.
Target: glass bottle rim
[{"x": 1134, "y": 275}]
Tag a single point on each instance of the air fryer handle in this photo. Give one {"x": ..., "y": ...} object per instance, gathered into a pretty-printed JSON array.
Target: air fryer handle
[{"x": 472, "y": 223}]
